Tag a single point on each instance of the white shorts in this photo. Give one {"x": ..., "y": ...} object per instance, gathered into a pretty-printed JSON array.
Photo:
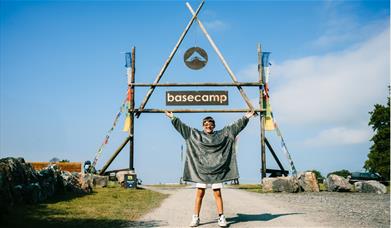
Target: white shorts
[{"x": 213, "y": 186}]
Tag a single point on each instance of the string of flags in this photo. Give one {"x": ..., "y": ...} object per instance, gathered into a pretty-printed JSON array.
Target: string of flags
[
  {"x": 123, "y": 107},
  {"x": 270, "y": 123},
  {"x": 285, "y": 150},
  {"x": 127, "y": 103},
  {"x": 128, "y": 65}
]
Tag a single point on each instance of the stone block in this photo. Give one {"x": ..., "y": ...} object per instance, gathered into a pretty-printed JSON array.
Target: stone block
[
  {"x": 100, "y": 181},
  {"x": 280, "y": 184},
  {"x": 370, "y": 187},
  {"x": 337, "y": 183},
  {"x": 308, "y": 182}
]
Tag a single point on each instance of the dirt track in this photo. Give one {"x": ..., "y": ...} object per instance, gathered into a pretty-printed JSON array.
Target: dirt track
[{"x": 247, "y": 209}]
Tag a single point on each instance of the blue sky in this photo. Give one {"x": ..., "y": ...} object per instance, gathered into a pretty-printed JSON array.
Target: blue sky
[{"x": 63, "y": 78}]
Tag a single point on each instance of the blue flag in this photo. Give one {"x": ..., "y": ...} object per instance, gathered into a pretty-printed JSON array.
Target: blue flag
[
  {"x": 265, "y": 59},
  {"x": 128, "y": 59}
]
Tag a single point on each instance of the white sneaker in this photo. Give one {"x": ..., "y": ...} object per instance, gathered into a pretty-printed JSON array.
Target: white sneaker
[
  {"x": 195, "y": 221},
  {"x": 221, "y": 221}
]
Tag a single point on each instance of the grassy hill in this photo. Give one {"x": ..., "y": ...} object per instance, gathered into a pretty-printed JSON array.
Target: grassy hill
[{"x": 105, "y": 207}]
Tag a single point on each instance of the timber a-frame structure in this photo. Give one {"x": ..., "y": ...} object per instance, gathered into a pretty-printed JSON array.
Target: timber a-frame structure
[{"x": 136, "y": 112}]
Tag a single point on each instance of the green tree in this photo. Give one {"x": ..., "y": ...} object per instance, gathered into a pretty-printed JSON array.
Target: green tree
[
  {"x": 342, "y": 173},
  {"x": 379, "y": 154},
  {"x": 317, "y": 174},
  {"x": 55, "y": 159}
]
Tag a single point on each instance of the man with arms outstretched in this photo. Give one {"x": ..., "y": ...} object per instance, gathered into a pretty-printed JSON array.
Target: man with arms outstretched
[{"x": 210, "y": 159}]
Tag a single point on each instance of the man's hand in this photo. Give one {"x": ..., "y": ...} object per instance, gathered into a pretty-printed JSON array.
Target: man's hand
[
  {"x": 169, "y": 114},
  {"x": 249, "y": 114}
]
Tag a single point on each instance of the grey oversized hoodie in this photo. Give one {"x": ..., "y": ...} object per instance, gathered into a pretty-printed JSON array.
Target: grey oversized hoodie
[{"x": 210, "y": 158}]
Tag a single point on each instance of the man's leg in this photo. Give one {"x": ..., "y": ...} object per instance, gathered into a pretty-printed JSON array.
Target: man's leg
[
  {"x": 219, "y": 201},
  {"x": 200, "y": 192},
  {"x": 220, "y": 210}
]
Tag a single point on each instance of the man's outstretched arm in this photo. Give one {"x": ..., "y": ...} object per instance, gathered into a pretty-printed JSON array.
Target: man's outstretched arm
[
  {"x": 182, "y": 128},
  {"x": 240, "y": 124}
]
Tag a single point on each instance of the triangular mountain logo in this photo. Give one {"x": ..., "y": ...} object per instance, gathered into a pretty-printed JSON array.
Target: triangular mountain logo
[{"x": 195, "y": 58}]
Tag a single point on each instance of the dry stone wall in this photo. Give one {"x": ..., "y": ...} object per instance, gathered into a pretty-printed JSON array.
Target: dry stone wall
[{"x": 20, "y": 183}]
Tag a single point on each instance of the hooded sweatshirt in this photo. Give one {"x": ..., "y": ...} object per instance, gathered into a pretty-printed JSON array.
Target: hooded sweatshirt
[{"x": 210, "y": 158}]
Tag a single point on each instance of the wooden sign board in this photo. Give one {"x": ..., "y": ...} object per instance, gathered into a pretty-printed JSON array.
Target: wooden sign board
[
  {"x": 196, "y": 97},
  {"x": 65, "y": 166}
]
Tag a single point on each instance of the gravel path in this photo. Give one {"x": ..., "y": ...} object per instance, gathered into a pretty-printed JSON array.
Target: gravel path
[{"x": 248, "y": 209}]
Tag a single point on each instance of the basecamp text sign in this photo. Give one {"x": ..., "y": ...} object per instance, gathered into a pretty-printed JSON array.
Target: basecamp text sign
[{"x": 197, "y": 98}]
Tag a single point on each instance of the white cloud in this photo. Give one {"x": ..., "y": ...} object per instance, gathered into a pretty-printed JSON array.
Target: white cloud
[
  {"x": 339, "y": 31},
  {"x": 329, "y": 96},
  {"x": 339, "y": 136},
  {"x": 337, "y": 87},
  {"x": 341, "y": 26},
  {"x": 216, "y": 25},
  {"x": 248, "y": 73}
]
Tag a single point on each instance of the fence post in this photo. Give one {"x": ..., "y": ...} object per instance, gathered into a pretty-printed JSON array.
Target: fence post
[
  {"x": 262, "y": 115},
  {"x": 131, "y": 112}
]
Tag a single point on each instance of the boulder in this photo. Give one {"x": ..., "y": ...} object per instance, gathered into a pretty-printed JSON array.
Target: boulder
[
  {"x": 370, "y": 187},
  {"x": 280, "y": 184},
  {"x": 100, "y": 181},
  {"x": 16, "y": 176},
  {"x": 33, "y": 193},
  {"x": 50, "y": 181},
  {"x": 86, "y": 182},
  {"x": 337, "y": 183},
  {"x": 121, "y": 175},
  {"x": 308, "y": 182},
  {"x": 73, "y": 182}
]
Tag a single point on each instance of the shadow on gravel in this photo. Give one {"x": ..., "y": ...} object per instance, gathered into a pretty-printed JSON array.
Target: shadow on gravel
[
  {"x": 82, "y": 223},
  {"x": 257, "y": 217},
  {"x": 151, "y": 223}
]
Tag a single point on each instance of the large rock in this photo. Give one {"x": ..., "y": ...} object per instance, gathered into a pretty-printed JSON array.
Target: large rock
[
  {"x": 121, "y": 176},
  {"x": 337, "y": 183},
  {"x": 370, "y": 187},
  {"x": 308, "y": 182},
  {"x": 77, "y": 182},
  {"x": 17, "y": 181},
  {"x": 86, "y": 182},
  {"x": 100, "y": 181},
  {"x": 280, "y": 184}
]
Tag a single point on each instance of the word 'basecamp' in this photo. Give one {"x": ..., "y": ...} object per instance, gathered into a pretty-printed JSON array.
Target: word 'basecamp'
[{"x": 197, "y": 98}]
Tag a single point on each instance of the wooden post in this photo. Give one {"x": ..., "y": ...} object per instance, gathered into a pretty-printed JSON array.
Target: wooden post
[
  {"x": 262, "y": 116},
  {"x": 131, "y": 113}
]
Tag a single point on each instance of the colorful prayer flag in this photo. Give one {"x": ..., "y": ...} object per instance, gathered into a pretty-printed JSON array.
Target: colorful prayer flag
[
  {"x": 128, "y": 59},
  {"x": 127, "y": 123}
]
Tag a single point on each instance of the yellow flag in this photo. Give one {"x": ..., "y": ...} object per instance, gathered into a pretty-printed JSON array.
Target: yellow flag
[
  {"x": 127, "y": 124},
  {"x": 269, "y": 124}
]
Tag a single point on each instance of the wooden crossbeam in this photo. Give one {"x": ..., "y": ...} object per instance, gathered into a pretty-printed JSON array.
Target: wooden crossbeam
[
  {"x": 197, "y": 84},
  {"x": 192, "y": 110}
]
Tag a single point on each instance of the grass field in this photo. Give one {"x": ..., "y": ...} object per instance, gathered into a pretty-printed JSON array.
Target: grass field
[
  {"x": 248, "y": 187},
  {"x": 170, "y": 185},
  {"x": 105, "y": 207}
]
